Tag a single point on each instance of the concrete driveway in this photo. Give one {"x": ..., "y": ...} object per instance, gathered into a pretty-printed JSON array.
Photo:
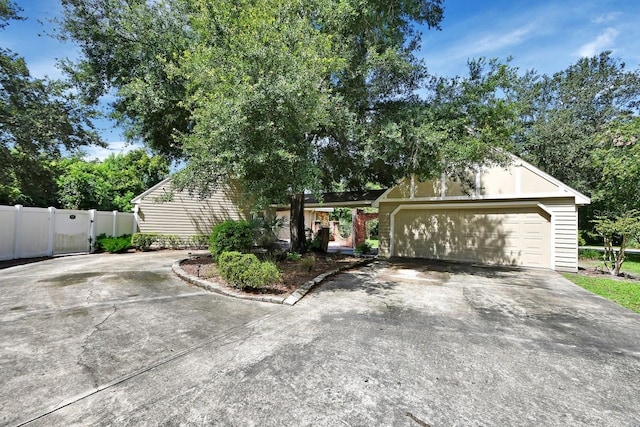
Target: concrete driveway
[{"x": 118, "y": 340}]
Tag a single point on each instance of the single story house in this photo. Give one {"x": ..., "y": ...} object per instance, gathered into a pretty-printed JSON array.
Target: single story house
[{"x": 514, "y": 215}]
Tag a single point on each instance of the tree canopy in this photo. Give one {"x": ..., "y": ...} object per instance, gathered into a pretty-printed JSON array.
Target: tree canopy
[
  {"x": 39, "y": 119},
  {"x": 109, "y": 184}
]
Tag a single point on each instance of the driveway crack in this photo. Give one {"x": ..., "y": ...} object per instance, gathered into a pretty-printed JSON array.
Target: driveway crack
[{"x": 81, "y": 360}]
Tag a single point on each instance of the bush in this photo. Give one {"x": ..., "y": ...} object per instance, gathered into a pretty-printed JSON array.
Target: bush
[
  {"x": 246, "y": 271},
  {"x": 363, "y": 248},
  {"x": 307, "y": 263},
  {"x": 113, "y": 244},
  {"x": 589, "y": 254},
  {"x": 293, "y": 256},
  {"x": 231, "y": 236},
  {"x": 199, "y": 241},
  {"x": 143, "y": 241}
]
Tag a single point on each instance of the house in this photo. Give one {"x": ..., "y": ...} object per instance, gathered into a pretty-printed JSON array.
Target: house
[
  {"x": 163, "y": 210},
  {"x": 516, "y": 215}
]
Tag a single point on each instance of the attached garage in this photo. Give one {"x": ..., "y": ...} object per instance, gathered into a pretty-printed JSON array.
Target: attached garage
[{"x": 512, "y": 216}]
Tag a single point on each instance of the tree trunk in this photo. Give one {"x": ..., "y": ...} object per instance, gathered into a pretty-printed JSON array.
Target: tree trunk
[{"x": 296, "y": 224}]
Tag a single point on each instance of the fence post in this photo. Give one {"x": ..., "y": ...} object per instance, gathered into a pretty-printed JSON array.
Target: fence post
[
  {"x": 51, "y": 231},
  {"x": 92, "y": 230},
  {"x": 115, "y": 224},
  {"x": 135, "y": 219},
  {"x": 136, "y": 208},
  {"x": 16, "y": 235}
]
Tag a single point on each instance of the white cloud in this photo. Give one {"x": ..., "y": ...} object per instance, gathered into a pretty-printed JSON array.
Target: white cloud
[
  {"x": 493, "y": 42},
  {"x": 607, "y": 18},
  {"x": 117, "y": 147},
  {"x": 602, "y": 42}
]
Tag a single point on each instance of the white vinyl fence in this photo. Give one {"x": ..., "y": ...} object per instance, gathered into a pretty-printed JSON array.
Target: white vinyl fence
[{"x": 35, "y": 232}]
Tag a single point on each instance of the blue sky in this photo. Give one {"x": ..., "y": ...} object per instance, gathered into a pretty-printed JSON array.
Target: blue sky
[{"x": 545, "y": 35}]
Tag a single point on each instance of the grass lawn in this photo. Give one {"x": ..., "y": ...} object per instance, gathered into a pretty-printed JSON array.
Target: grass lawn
[
  {"x": 631, "y": 263},
  {"x": 373, "y": 243},
  {"x": 624, "y": 292}
]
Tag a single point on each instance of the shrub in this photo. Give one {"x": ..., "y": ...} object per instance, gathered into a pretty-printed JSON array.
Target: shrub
[
  {"x": 143, "y": 241},
  {"x": 199, "y": 241},
  {"x": 231, "y": 236},
  {"x": 113, "y": 244},
  {"x": 363, "y": 248},
  {"x": 293, "y": 256},
  {"x": 246, "y": 271},
  {"x": 589, "y": 254},
  {"x": 308, "y": 263}
]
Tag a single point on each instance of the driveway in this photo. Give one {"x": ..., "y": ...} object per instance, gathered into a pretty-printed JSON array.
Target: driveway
[{"x": 118, "y": 340}]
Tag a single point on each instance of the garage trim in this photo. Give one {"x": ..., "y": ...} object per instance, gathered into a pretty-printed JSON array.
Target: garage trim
[{"x": 476, "y": 205}]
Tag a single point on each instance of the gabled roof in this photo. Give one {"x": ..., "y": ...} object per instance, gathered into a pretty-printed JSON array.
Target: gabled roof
[
  {"x": 139, "y": 197},
  {"x": 564, "y": 189},
  {"x": 344, "y": 198}
]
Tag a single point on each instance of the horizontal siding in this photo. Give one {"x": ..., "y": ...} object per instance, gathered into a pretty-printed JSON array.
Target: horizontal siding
[
  {"x": 384, "y": 214},
  {"x": 165, "y": 212},
  {"x": 565, "y": 233}
]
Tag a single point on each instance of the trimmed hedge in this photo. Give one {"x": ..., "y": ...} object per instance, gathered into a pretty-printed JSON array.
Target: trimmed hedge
[
  {"x": 246, "y": 271},
  {"x": 231, "y": 236},
  {"x": 144, "y": 241},
  {"x": 113, "y": 244}
]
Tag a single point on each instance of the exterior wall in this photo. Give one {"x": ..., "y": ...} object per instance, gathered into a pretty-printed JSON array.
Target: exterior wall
[
  {"x": 384, "y": 230},
  {"x": 564, "y": 231},
  {"x": 166, "y": 211},
  {"x": 498, "y": 180},
  {"x": 533, "y": 183}
]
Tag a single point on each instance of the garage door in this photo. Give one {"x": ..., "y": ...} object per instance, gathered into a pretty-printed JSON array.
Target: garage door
[{"x": 519, "y": 236}]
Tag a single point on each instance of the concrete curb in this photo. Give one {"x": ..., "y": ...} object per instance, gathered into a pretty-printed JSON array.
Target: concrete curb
[{"x": 293, "y": 298}]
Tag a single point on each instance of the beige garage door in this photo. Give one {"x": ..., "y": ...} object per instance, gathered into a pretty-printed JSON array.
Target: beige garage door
[{"x": 493, "y": 236}]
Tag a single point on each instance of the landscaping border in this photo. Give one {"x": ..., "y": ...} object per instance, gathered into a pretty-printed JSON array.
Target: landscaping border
[{"x": 293, "y": 298}]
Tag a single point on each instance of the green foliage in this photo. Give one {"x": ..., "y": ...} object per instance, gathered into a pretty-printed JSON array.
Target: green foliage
[
  {"x": 626, "y": 227},
  {"x": 246, "y": 271},
  {"x": 265, "y": 232},
  {"x": 110, "y": 184},
  {"x": 170, "y": 241},
  {"x": 231, "y": 236},
  {"x": 307, "y": 263},
  {"x": 126, "y": 47},
  {"x": 143, "y": 241},
  {"x": 344, "y": 218},
  {"x": 39, "y": 119},
  {"x": 293, "y": 256},
  {"x": 564, "y": 115},
  {"x": 363, "y": 248},
  {"x": 624, "y": 292},
  {"x": 618, "y": 157},
  {"x": 589, "y": 254},
  {"x": 314, "y": 241},
  {"x": 114, "y": 244},
  {"x": 199, "y": 241}
]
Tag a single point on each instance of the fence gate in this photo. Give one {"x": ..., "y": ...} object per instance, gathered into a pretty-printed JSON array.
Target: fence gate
[{"x": 71, "y": 231}]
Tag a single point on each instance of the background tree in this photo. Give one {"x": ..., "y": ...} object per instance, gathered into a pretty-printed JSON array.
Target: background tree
[
  {"x": 39, "y": 119},
  {"x": 618, "y": 157},
  {"x": 563, "y": 116},
  {"x": 110, "y": 184},
  {"x": 126, "y": 46}
]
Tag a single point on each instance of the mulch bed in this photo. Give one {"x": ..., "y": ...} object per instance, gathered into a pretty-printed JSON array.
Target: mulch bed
[
  {"x": 599, "y": 272},
  {"x": 293, "y": 273}
]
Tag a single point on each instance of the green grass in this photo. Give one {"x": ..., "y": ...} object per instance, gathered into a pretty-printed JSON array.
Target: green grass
[
  {"x": 373, "y": 243},
  {"x": 624, "y": 292}
]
